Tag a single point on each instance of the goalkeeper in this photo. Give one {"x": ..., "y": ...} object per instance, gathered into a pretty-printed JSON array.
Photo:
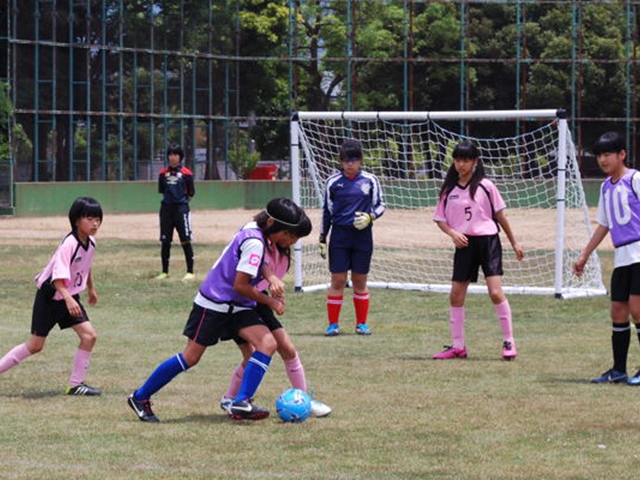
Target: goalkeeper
[
  {"x": 471, "y": 210},
  {"x": 352, "y": 201}
]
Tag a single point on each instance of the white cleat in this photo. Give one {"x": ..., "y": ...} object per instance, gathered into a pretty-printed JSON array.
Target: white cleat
[{"x": 319, "y": 409}]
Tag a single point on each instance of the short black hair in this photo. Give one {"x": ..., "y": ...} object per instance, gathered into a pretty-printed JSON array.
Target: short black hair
[
  {"x": 177, "y": 149},
  {"x": 350, "y": 150},
  {"x": 84, "y": 207},
  {"x": 609, "y": 142}
]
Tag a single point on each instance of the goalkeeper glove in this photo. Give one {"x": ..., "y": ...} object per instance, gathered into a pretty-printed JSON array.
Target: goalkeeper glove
[
  {"x": 322, "y": 246},
  {"x": 363, "y": 220}
]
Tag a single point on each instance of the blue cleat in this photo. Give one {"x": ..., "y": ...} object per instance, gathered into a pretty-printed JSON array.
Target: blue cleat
[
  {"x": 333, "y": 330},
  {"x": 363, "y": 329},
  {"x": 611, "y": 376}
]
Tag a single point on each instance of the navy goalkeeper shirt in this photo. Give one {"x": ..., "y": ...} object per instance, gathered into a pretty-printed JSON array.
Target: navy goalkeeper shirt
[{"x": 345, "y": 196}]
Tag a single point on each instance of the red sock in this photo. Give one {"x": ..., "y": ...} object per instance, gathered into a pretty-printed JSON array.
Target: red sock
[
  {"x": 361, "y": 305},
  {"x": 334, "y": 304}
]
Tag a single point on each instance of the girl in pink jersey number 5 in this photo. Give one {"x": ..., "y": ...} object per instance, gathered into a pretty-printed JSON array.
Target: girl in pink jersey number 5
[
  {"x": 58, "y": 297},
  {"x": 469, "y": 210}
]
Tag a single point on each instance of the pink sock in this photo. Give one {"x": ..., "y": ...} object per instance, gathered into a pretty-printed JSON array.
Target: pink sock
[
  {"x": 295, "y": 372},
  {"x": 14, "y": 357},
  {"x": 236, "y": 381},
  {"x": 81, "y": 363},
  {"x": 456, "y": 326},
  {"x": 503, "y": 311}
]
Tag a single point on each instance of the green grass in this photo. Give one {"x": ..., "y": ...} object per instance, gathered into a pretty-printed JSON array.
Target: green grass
[{"x": 396, "y": 413}]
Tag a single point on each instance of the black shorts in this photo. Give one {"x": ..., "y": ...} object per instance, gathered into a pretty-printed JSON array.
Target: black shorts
[
  {"x": 269, "y": 319},
  {"x": 48, "y": 312},
  {"x": 208, "y": 327},
  {"x": 483, "y": 251},
  {"x": 625, "y": 281},
  {"x": 178, "y": 217}
]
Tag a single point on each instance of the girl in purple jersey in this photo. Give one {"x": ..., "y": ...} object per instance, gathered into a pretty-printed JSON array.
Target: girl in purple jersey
[
  {"x": 224, "y": 308},
  {"x": 618, "y": 213},
  {"x": 469, "y": 210},
  {"x": 276, "y": 265},
  {"x": 58, "y": 296}
]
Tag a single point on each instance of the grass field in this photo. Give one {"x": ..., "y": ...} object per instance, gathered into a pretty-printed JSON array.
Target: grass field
[{"x": 396, "y": 413}]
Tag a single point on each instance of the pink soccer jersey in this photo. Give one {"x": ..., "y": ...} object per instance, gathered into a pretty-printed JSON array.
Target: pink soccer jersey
[
  {"x": 278, "y": 263},
  {"x": 70, "y": 262},
  {"x": 471, "y": 216}
]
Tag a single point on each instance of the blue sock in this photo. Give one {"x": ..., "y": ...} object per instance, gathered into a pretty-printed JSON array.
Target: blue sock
[
  {"x": 256, "y": 368},
  {"x": 163, "y": 374}
]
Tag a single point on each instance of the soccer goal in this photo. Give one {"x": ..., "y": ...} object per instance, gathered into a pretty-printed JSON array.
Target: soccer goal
[{"x": 536, "y": 172}]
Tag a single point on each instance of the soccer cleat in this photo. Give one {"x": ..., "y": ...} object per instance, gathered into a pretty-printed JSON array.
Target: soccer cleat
[
  {"x": 246, "y": 410},
  {"x": 611, "y": 376},
  {"x": 363, "y": 329},
  {"x": 162, "y": 276},
  {"x": 333, "y": 330},
  {"x": 451, "y": 352},
  {"x": 635, "y": 380},
  {"x": 83, "y": 390},
  {"x": 225, "y": 403},
  {"x": 508, "y": 350},
  {"x": 319, "y": 409},
  {"x": 189, "y": 277},
  {"x": 142, "y": 409}
]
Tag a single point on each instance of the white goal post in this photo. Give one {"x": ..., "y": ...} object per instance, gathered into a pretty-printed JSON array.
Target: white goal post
[{"x": 536, "y": 172}]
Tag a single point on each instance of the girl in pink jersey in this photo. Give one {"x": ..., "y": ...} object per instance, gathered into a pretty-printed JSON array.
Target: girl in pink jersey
[
  {"x": 276, "y": 265},
  {"x": 58, "y": 296},
  {"x": 469, "y": 210}
]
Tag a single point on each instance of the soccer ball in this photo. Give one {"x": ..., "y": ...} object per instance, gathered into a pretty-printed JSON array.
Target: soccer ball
[{"x": 293, "y": 405}]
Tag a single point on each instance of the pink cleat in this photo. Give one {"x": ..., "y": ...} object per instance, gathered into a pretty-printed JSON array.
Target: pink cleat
[
  {"x": 451, "y": 352},
  {"x": 508, "y": 350}
]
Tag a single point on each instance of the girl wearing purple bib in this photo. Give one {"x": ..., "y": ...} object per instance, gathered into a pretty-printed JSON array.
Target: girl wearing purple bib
[
  {"x": 618, "y": 213},
  {"x": 469, "y": 211},
  {"x": 225, "y": 308}
]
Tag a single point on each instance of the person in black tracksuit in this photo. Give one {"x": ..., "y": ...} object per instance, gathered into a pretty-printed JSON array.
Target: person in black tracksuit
[{"x": 176, "y": 185}]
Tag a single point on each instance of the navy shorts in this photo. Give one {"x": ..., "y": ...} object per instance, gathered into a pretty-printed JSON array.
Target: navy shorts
[
  {"x": 350, "y": 249},
  {"x": 267, "y": 316},
  {"x": 48, "y": 312},
  {"x": 208, "y": 327},
  {"x": 483, "y": 251},
  {"x": 178, "y": 217},
  {"x": 625, "y": 281}
]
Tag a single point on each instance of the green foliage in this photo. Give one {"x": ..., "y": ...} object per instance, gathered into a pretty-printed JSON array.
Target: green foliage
[
  {"x": 241, "y": 159},
  {"x": 456, "y": 60},
  {"x": 18, "y": 144}
]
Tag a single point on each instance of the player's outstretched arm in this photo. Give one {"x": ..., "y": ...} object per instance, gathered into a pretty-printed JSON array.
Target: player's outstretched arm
[{"x": 597, "y": 237}]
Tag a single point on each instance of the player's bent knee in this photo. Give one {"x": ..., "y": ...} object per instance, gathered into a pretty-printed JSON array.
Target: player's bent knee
[{"x": 267, "y": 345}]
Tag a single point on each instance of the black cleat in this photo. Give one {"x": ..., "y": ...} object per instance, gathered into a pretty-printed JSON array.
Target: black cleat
[
  {"x": 142, "y": 409},
  {"x": 83, "y": 390},
  {"x": 247, "y": 411}
]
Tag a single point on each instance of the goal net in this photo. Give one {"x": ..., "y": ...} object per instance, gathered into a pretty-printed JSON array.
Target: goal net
[{"x": 536, "y": 172}]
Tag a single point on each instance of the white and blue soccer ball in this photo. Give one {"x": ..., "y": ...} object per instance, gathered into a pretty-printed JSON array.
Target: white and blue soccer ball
[{"x": 293, "y": 405}]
